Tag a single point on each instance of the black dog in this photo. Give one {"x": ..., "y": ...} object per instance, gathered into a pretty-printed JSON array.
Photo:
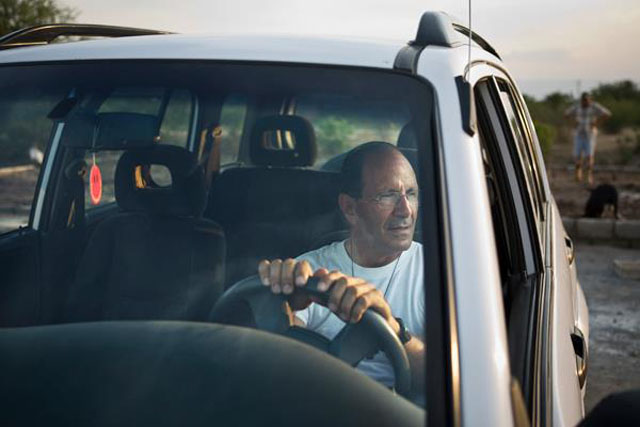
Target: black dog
[{"x": 601, "y": 196}]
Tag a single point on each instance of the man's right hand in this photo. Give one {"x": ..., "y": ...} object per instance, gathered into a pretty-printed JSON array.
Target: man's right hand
[{"x": 284, "y": 276}]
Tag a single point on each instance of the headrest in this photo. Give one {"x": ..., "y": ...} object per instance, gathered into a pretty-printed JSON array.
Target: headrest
[
  {"x": 185, "y": 196},
  {"x": 293, "y": 145},
  {"x": 111, "y": 131},
  {"x": 407, "y": 137}
]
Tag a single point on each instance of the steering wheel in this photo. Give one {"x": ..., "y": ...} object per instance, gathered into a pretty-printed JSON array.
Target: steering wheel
[{"x": 250, "y": 303}]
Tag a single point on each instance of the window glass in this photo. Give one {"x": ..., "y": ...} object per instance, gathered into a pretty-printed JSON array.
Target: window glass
[
  {"x": 140, "y": 100},
  {"x": 515, "y": 202},
  {"x": 523, "y": 147},
  {"x": 106, "y": 162},
  {"x": 232, "y": 119},
  {"x": 174, "y": 129},
  {"x": 24, "y": 134},
  {"x": 342, "y": 122},
  {"x": 271, "y": 200}
]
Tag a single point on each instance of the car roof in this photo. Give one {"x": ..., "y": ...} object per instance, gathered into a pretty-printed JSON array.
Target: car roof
[{"x": 313, "y": 50}]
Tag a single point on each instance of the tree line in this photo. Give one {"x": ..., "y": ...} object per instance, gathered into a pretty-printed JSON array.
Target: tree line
[
  {"x": 622, "y": 98},
  {"x": 18, "y": 14}
]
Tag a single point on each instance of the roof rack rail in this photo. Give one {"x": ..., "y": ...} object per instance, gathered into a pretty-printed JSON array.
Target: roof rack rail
[
  {"x": 44, "y": 34},
  {"x": 475, "y": 37},
  {"x": 438, "y": 29}
]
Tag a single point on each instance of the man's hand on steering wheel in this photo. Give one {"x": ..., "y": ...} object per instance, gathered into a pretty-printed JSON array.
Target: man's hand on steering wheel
[{"x": 349, "y": 297}]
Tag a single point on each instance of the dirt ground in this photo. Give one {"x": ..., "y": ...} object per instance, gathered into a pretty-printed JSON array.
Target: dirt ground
[
  {"x": 616, "y": 163},
  {"x": 614, "y": 323}
]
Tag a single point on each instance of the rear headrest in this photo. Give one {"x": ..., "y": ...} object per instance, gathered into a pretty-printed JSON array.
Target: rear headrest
[
  {"x": 283, "y": 141},
  {"x": 408, "y": 137},
  {"x": 185, "y": 196}
]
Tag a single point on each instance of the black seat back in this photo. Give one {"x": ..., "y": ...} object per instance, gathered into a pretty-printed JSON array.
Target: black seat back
[
  {"x": 272, "y": 213},
  {"x": 278, "y": 206},
  {"x": 157, "y": 259}
]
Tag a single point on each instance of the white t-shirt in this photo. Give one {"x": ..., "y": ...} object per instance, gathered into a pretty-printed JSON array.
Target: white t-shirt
[{"x": 404, "y": 291}]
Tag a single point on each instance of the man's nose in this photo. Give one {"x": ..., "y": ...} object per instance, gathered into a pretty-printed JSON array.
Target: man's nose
[{"x": 403, "y": 207}]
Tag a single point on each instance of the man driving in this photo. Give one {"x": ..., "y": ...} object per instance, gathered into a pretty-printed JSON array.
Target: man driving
[{"x": 378, "y": 266}]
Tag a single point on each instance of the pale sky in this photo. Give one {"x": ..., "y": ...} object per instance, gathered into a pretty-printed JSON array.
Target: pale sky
[{"x": 553, "y": 41}]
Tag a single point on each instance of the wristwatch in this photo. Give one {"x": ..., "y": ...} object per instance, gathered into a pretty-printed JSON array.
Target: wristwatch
[{"x": 403, "y": 333}]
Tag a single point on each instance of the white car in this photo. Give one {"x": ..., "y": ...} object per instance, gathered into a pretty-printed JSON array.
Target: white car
[{"x": 173, "y": 163}]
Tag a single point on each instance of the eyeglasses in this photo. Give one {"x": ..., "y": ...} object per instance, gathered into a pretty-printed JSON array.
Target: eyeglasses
[{"x": 390, "y": 199}]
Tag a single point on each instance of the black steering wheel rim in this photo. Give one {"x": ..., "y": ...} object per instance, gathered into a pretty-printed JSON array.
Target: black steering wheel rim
[{"x": 249, "y": 299}]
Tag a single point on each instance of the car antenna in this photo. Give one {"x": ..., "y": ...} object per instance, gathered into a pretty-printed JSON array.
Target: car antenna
[
  {"x": 465, "y": 90},
  {"x": 468, "y": 73}
]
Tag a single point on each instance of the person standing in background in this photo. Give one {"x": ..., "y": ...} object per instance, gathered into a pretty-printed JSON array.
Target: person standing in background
[{"x": 586, "y": 115}]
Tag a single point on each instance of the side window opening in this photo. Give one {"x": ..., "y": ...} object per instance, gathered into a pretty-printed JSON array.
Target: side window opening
[
  {"x": 523, "y": 144},
  {"x": 513, "y": 230},
  {"x": 232, "y": 120},
  {"x": 174, "y": 109},
  {"x": 134, "y": 100},
  {"x": 341, "y": 122},
  {"x": 25, "y": 131},
  {"x": 174, "y": 129}
]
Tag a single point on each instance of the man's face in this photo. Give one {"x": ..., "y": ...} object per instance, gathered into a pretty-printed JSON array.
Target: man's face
[
  {"x": 387, "y": 210},
  {"x": 586, "y": 101}
]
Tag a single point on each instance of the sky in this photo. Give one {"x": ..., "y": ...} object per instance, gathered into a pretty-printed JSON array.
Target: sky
[{"x": 548, "y": 45}]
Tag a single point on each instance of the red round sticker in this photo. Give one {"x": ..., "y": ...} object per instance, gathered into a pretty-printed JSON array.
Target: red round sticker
[{"x": 95, "y": 184}]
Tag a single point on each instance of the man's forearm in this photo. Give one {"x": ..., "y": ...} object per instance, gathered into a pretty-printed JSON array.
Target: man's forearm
[
  {"x": 415, "y": 349},
  {"x": 416, "y": 353}
]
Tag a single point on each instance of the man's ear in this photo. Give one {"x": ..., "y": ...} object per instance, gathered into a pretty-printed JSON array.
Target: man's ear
[{"x": 348, "y": 207}]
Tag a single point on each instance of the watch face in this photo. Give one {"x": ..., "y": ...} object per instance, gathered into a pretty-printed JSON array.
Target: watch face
[{"x": 403, "y": 334}]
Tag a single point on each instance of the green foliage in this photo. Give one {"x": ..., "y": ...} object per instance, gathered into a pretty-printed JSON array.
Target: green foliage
[
  {"x": 625, "y": 89},
  {"x": 17, "y": 14},
  {"x": 623, "y": 100},
  {"x": 551, "y": 109},
  {"x": 546, "y": 136},
  {"x": 558, "y": 100},
  {"x": 548, "y": 118},
  {"x": 333, "y": 134}
]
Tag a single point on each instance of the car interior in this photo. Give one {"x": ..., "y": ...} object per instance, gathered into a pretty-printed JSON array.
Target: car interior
[
  {"x": 204, "y": 171},
  {"x": 198, "y": 182}
]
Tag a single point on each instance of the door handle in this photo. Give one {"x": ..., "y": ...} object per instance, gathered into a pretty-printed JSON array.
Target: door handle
[
  {"x": 582, "y": 355},
  {"x": 571, "y": 256}
]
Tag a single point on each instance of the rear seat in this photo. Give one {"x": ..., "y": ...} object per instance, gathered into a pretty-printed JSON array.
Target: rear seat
[
  {"x": 278, "y": 207},
  {"x": 272, "y": 213}
]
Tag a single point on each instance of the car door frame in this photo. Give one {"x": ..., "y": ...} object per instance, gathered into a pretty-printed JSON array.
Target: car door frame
[
  {"x": 556, "y": 398},
  {"x": 20, "y": 249},
  {"x": 561, "y": 336}
]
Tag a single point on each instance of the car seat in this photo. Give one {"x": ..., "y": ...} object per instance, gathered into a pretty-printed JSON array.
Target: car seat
[
  {"x": 277, "y": 206},
  {"x": 157, "y": 258}
]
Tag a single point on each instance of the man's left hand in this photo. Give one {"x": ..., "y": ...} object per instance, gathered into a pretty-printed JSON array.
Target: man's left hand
[{"x": 350, "y": 297}]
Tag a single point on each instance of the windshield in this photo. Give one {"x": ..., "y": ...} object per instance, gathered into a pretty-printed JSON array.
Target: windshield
[{"x": 165, "y": 183}]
